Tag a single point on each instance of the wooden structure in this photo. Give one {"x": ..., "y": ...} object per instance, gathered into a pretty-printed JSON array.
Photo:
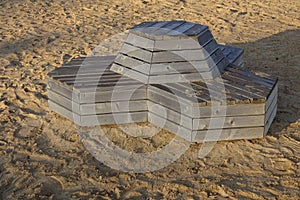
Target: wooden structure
[
  {"x": 174, "y": 75},
  {"x": 171, "y": 51}
]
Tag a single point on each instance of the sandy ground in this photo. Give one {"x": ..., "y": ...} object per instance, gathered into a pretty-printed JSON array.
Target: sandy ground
[{"x": 41, "y": 155}]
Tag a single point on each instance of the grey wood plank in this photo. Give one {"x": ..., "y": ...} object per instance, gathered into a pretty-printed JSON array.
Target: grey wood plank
[
  {"x": 139, "y": 41},
  {"x": 146, "y": 31},
  {"x": 171, "y": 115},
  {"x": 207, "y": 123},
  {"x": 273, "y": 94},
  {"x": 270, "y": 119},
  {"x": 181, "y": 29},
  {"x": 117, "y": 118},
  {"x": 92, "y": 95},
  {"x": 64, "y": 112},
  {"x": 196, "y": 30},
  {"x": 64, "y": 101},
  {"x": 186, "y": 55},
  {"x": 254, "y": 78},
  {"x": 136, "y": 52},
  {"x": 227, "y": 134},
  {"x": 245, "y": 83},
  {"x": 133, "y": 63},
  {"x": 184, "y": 77},
  {"x": 215, "y": 59},
  {"x": 184, "y": 43},
  {"x": 172, "y": 127},
  {"x": 95, "y": 120},
  {"x": 98, "y": 108},
  {"x": 63, "y": 90},
  {"x": 164, "y": 30},
  {"x": 118, "y": 95},
  {"x": 270, "y": 109},
  {"x": 173, "y": 102},
  {"x": 130, "y": 73},
  {"x": 228, "y": 122}
]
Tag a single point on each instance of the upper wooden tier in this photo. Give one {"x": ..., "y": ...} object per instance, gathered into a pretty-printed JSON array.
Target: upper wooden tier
[
  {"x": 164, "y": 30},
  {"x": 170, "y": 51}
]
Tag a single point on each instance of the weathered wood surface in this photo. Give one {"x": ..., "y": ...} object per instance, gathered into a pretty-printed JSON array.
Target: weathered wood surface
[
  {"x": 201, "y": 53},
  {"x": 210, "y": 122},
  {"x": 185, "y": 106},
  {"x": 103, "y": 119},
  {"x": 98, "y": 108},
  {"x": 95, "y": 95},
  {"x": 207, "y": 135},
  {"x": 165, "y": 30}
]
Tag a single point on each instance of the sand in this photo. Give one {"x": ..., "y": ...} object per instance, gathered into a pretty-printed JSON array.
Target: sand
[{"x": 41, "y": 154}]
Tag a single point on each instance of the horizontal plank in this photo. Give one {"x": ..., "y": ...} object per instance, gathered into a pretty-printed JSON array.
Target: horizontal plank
[
  {"x": 185, "y": 55},
  {"x": 227, "y": 134},
  {"x": 169, "y": 100},
  {"x": 167, "y": 125},
  {"x": 98, "y": 108},
  {"x": 171, "y": 115},
  {"x": 228, "y": 122},
  {"x": 96, "y": 120},
  {"x": 184, "y": 43},
  {"x": 98, "y": 95},
  {"x": 207, "y": 135},
  {"x": 133, "y": 63},
  {"x": 206, "y": 123},
  {"x": 189, "y": 66},
  {"x": 143, "y": 78}
]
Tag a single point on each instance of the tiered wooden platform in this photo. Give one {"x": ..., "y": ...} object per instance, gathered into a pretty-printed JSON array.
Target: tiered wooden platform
[
  {"x": 170, "y": 51},
  {"x": 237, "y": 105},
  {"x": 233, "y": 104}
]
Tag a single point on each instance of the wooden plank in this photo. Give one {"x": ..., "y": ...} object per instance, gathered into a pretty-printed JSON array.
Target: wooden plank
[
  {"x": 116, "y": 118},
  {"x": 269, "y": 109},
  {"x": 142, "y": 25},
  {"x": 93, "y": 95},
  {"x": 95, "y": 120},
  {"x": 272, "y": 95},
  {"x": 136, "y": 52},
  {"x": 227, "y": 134},
  {"x": 139, "y": 41},
  {"x": 190, "y": 66},
  {"x": 118, "y": 95},
  {"x": 64, "y": 112},
  {"x": 187, "y": 77},
  {"x": 172, "y": 127},
  {"x": 98, "y": 108},
  {"x": 196, "y": 30},
  {"x": 228, "y": 122},
  {"x": 64, "y": 101},
  {"x": 270, "y": 119},
  {"x": 207, "y": 135},
  {"x": 147, "y": 30},
  {"x": 184, "y": 43},
  {"x": 179, "y": 31},
  {"x": 237, "y": 90},
  {"x": 130, "y": 73},
  {"x": 185, "y": 55},
  {"x": 171, "y": 101},
  {"x": 171, "y": 115},
  {"x": 164, "y": 30},
  {"x": 245, "y": 83},
  {"x": 93, "y": 58},
  {"x": 63, "y": 90},
  {"x": 206, "y": 123},
  {"x": 133, "y": 63},
  {"x": 252, "y": 77}
]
